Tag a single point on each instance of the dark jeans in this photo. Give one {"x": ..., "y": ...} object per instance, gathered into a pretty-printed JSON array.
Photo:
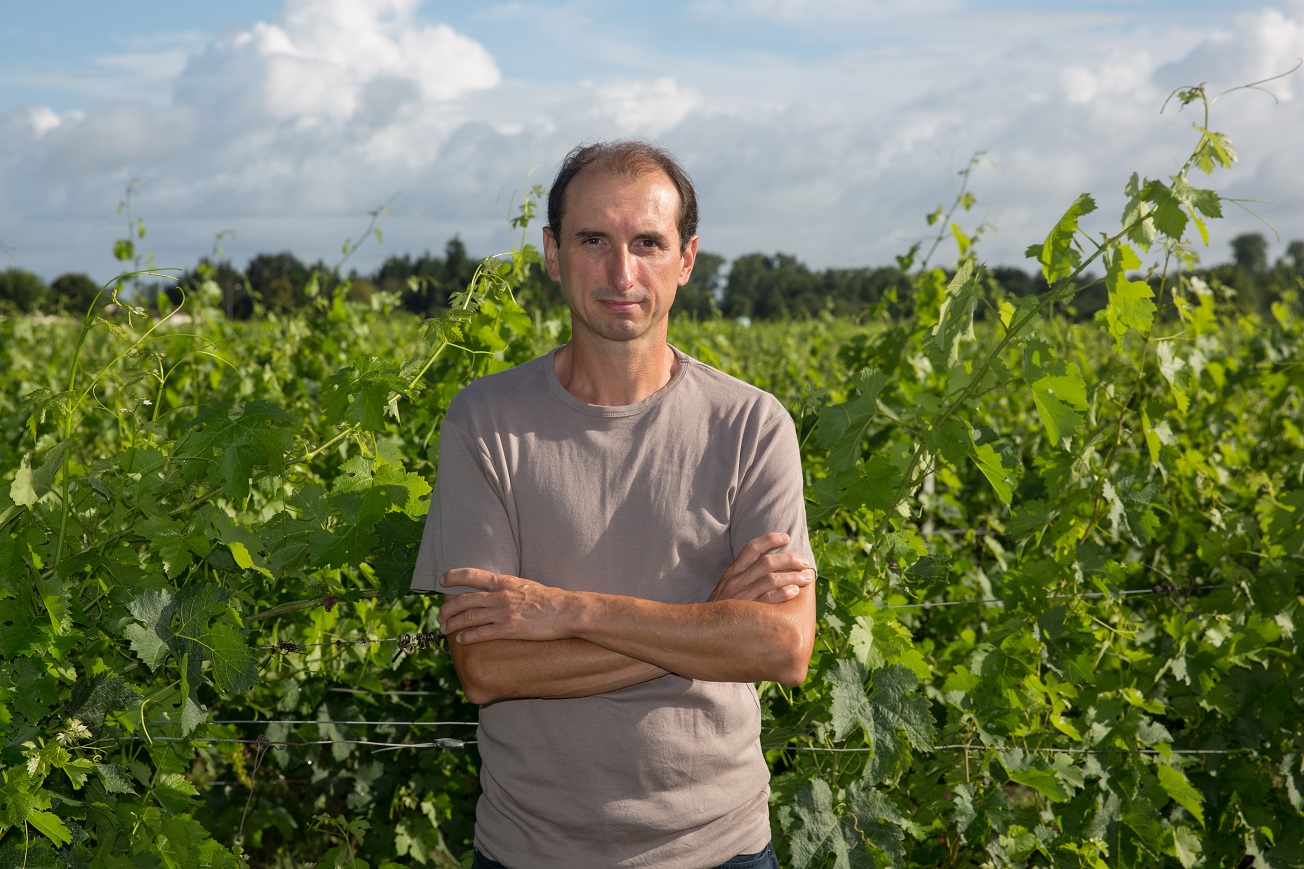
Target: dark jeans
[{"x": 763, "y": 859}]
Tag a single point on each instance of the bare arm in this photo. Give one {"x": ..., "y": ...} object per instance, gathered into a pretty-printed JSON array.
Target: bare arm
[{"x": 517, "y": 638}]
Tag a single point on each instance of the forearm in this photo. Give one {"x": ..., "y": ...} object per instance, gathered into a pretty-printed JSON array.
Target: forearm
[
  {"x": 514, "y": 669},
  {"x": 717, "y": 641}
]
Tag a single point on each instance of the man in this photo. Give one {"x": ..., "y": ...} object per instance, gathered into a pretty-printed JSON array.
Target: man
[{"x": 621, "y": 535}]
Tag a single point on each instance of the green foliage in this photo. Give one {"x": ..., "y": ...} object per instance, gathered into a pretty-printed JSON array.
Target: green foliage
[
  {"x": 21, "y": 290},
  {"x": 1060, "y": 566}
]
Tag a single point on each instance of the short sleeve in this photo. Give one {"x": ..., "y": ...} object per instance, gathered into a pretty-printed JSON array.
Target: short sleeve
[
  {"x": 770, "y": 488},
  {"x": 469, "y": 523}
]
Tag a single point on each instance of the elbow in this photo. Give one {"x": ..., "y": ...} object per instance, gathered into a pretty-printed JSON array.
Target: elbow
[
  {"x": 475, "y": 673},
  {"x": 794, "y": 662}
]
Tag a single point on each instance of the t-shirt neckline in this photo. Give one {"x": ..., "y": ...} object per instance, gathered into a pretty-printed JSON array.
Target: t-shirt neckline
[{"x": 610, "y": 411}]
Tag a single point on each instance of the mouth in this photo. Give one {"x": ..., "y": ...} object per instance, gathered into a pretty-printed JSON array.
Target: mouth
[{"x": 620, "y": 306}]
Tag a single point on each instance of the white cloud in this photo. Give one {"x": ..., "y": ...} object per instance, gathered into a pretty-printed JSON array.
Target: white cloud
[
  {"x": 288, "y": 131},
  {"x": 646, "y": 108}
]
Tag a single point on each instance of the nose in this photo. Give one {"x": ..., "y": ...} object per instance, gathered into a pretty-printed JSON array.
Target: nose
[{"x": 620, "y": 269}]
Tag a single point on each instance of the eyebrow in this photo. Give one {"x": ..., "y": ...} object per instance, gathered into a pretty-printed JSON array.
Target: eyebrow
[{"x": 659, "y": 238}]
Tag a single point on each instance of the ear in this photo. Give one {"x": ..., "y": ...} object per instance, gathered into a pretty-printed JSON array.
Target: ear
[
  {"x": 550, "y": 254},
  {"x": 687, "y": 257}
]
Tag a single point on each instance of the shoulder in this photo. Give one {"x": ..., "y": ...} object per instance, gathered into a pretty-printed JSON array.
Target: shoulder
[
  {"x": 503, "y": 391},
  {"x": 721, "y": 394}
]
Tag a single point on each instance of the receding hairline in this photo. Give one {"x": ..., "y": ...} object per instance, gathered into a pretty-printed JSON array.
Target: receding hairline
[{"x": 630, "y": 158}]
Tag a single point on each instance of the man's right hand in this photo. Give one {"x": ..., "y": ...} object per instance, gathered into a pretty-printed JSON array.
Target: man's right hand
[{"x": 762, "y": 575}]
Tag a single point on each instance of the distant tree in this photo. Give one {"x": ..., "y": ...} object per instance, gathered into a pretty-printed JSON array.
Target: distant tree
[
  {"x": 851, "y": 292},
  {"x": 360, "y": 290},
  {"x": 22, "y": 290},
  {"x": 75, "y": 292},
  {"x": 426, "y": 283},
  {"x": 278, "y": 280},
  {"x": 1016, "y": 281},
  {"x": 698, "y": 298},
  {"x": 769, "y": 287},
  {"x": 1250, "y": 252},
  {"x": 1295, "y": 255}
]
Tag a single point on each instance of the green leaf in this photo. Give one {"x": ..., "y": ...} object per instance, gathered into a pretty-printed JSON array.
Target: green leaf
[
  {"x": 1170, "y": 218},
  {"x": 362, "y": 394},
  {"x": 114, "y": 778},
  {"x": 31, "y": 485},
  {"x": 51, "y": 826},
  {"x": 22, "y": 631},
  {"x": 814, "y": 831},
  {"x": 872, "y": 816},
  {"x": 1058, "y": 256},
  {"x": 1137, "y": 215},
  {"x": 874, "y": 484},
  {"x": 991, "y": 463},
  {"x": 94, "y": 698},
  {"x": 955, "y": 320},
  {"x": 1175, "y": 784},
  {"x": 150, "y": 635},
  {"x": 195, "y": 626},
  {"x": 240, "y": 553},
  {"x": 842, "y": 427},
  {"x": 1186, "y": 846},
  {"x": 234, "y": 665},
  {"x": 849, "y": 708},
  {"x": 1041, "y": 780},
  {"x": 1058, "y": 397},
  {"x": 896, "y": 704},
  {"x": 226, "y": 443},
  {"x": 1131, "y": 303},
  {"x": 174, "y": 791}
]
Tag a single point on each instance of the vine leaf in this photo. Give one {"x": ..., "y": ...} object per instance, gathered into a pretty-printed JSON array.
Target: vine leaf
[
  {"x": 363, "y": 393},
  {"x": 891, "y": 716},
  {"x": 815, "y": 831},
  {"x": 1059, "y": 397},
  {"x": 92, "y": 699},
  {"x": 31, "y": 485},
  {"x": 992, "y": 465},
  {"x": 1131, "y": 303},
  {"x": 227, "y": 442},
  {"x": 1176, "y": 785},
  {"x": 22, "y": 631},
  {"x": 850, "y": 705},
  {"x": 196, "y": 626},
  {"x": 842, "y": 427},
  {"x": 874, "y": 818},
  {"x": 148, "y": 636},
  {"x": 1057, "y": 255},
  {"x": 955, "y": 319}
]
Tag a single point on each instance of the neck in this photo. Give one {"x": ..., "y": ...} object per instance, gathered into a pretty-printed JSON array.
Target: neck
[{"x": 613, "y": 374}]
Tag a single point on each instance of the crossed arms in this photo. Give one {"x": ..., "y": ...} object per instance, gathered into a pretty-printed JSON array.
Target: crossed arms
[{"x": 516, "y": 638}]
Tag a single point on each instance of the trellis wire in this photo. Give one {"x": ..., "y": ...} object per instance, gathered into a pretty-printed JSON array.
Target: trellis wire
[{"x": 415, "y": 642}]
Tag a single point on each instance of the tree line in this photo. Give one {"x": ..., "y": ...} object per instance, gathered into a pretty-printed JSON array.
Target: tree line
[{"x": 755, "y": 286}]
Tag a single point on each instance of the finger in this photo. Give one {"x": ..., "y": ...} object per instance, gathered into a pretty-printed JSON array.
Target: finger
[
  {"x": 470, "y": 577},
  {"x": 779, "y": 595},
  {"x": 762, "y": 587},
  {"x": 763, "y": 567},
  {"x": 461, "y": 604},
  {"x": 754, "y": 549}
]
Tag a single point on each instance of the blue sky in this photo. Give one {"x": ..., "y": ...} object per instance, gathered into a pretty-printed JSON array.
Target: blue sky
[{"x": 826, "y": 130}]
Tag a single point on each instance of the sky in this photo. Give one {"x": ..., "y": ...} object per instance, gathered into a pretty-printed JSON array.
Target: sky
[{"x": 827, "y": 130}]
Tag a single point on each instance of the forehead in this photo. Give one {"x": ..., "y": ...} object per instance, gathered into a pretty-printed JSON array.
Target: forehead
[{"x": 597, "y": 193}]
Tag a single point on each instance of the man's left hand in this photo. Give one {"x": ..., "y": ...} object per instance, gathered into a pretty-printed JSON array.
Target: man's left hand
[{"x": 505, "y": 608}]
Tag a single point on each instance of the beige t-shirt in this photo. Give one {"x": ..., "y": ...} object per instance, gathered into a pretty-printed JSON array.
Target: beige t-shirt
[{"x": 651, "y": 500}]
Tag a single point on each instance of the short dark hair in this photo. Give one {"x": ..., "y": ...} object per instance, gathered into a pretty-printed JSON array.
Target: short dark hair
[{"x": 631, "y": 158}]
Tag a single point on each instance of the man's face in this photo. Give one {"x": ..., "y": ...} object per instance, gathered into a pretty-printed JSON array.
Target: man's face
[{"x": 618, "y": 256}]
